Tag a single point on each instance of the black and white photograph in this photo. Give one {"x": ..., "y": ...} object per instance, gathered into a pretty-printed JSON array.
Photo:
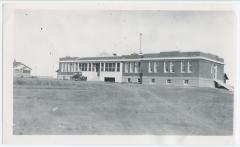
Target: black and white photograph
[{"x": 123, "y": 72}]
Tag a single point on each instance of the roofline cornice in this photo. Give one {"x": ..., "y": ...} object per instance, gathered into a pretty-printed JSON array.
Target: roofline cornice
[{"x": 141, "y": 59}]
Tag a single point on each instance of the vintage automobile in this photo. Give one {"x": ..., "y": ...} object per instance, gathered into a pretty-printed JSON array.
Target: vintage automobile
[{"x": 78, "y": 77}]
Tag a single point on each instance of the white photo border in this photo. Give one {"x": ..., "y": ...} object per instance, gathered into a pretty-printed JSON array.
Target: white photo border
[{"x": 8, "y": 35}]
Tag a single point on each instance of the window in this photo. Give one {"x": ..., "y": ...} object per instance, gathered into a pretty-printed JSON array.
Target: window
[
  {"x": 185, "y": 82},
  {"x": 139, "y": 80},
  {"x": 89, "y": 66},
  {"x": 211, "y": 68},
  {"x": 133, "y": 67},
  {"x": 166, "y": 66},
  {"x": 126, "y": 67},
  {"x": 118, "y": 67},
  {"x": 110, "y": 67},
  {"x": 93, "y": 66},
  {"x": 153, "y": 80},
  {"x": 102, "y": 66},
  {"x": 26, "y": 71},
  {"x": 136, "y": 69},
  {"x": 214, "y": 71},
  {"x": 139, "y": 67},
  {"x": 189, "y": 67},
  {"x": 106, "y": 67},
  {"x": 129, "y": 80},
  {"x": 83, "y": 67},
  {"x": 169, "y": 81},
  {"x": 114, "y": 67},
  {"x": 171, "y": 67},
  {"x": 151, "y": 66},
  {"x": 80, "y": 66},
  {"x": 184, "y": 66}
]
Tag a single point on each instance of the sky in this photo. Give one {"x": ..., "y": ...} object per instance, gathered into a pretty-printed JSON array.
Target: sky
[{"x": 43, "y": 36}]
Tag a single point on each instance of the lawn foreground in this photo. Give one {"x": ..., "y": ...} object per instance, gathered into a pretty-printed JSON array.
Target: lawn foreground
[{"x": 55, "y": 107}]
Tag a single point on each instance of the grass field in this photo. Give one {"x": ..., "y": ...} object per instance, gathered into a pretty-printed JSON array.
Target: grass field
[{"x": 43, "y": 106}]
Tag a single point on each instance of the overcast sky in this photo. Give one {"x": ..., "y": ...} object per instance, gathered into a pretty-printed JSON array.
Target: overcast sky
[{"x": 42, "y": 36}]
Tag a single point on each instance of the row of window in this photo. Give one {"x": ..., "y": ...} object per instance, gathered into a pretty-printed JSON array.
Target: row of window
[
  {"x": 168, "y": 81},
  {"x": 186, "y": 67},
  {"x": 107, "y": 67},
  {"x": 132, "y": 67},
  {"x": 110, "y": 67},
  {"x": 22, "y": 70}
]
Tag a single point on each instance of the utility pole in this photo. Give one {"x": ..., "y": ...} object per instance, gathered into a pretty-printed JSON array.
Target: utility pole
[
  {"x": 140, "y": 43},
  {"x": 141, "y": 56}
]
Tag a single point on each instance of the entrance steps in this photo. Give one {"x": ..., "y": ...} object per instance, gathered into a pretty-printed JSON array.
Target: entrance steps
[{"x": 222, "y": 84}]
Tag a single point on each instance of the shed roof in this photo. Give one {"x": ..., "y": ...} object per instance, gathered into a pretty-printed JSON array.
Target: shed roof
[{"x": 16, "y": 64}]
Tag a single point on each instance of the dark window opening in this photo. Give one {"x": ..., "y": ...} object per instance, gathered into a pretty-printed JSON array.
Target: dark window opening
[
  {"x": 169, "y": 81},
  {"x": 26, "y": 71},
  {"x": 186, "y": 82},
  {"x": 153, "y": 80},
  {"x": 129, "y": 80},
  {"x": 109, "y": 79},
  {"x": 139, "y": 80},
  {"x": 118, "y": 67},
  {"x": 89, "y": 68}
]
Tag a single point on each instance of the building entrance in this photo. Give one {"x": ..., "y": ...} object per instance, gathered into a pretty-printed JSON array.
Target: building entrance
[{"x": 109, "y": 79}]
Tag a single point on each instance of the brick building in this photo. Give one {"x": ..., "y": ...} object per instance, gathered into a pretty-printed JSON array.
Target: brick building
[{"x": 164, "y": 68}]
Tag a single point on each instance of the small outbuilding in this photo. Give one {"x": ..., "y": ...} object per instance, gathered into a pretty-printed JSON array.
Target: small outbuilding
[{"x": 21, "y": 70}]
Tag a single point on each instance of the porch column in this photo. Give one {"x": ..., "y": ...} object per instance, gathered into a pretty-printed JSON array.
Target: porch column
[
  {"x": 69, "y": 67},
  {"x": 88, "y": 66},
  {"x": 115, "y": 69},
  {"x": 65, "y": 67},
  {"x": 104, "y": 64},
  {"x": 61, "y": 67},
  {"x": 77, "y": 67},
  {"x": 74, "y": 67}
]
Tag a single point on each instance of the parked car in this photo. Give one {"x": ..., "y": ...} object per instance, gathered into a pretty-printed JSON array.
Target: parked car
[{"x": 78, "y": 77}]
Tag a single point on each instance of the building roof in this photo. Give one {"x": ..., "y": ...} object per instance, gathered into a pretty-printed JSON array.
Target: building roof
[
  {"x": 175, "y": 54},
  {"x": 16, "y": 64}
]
